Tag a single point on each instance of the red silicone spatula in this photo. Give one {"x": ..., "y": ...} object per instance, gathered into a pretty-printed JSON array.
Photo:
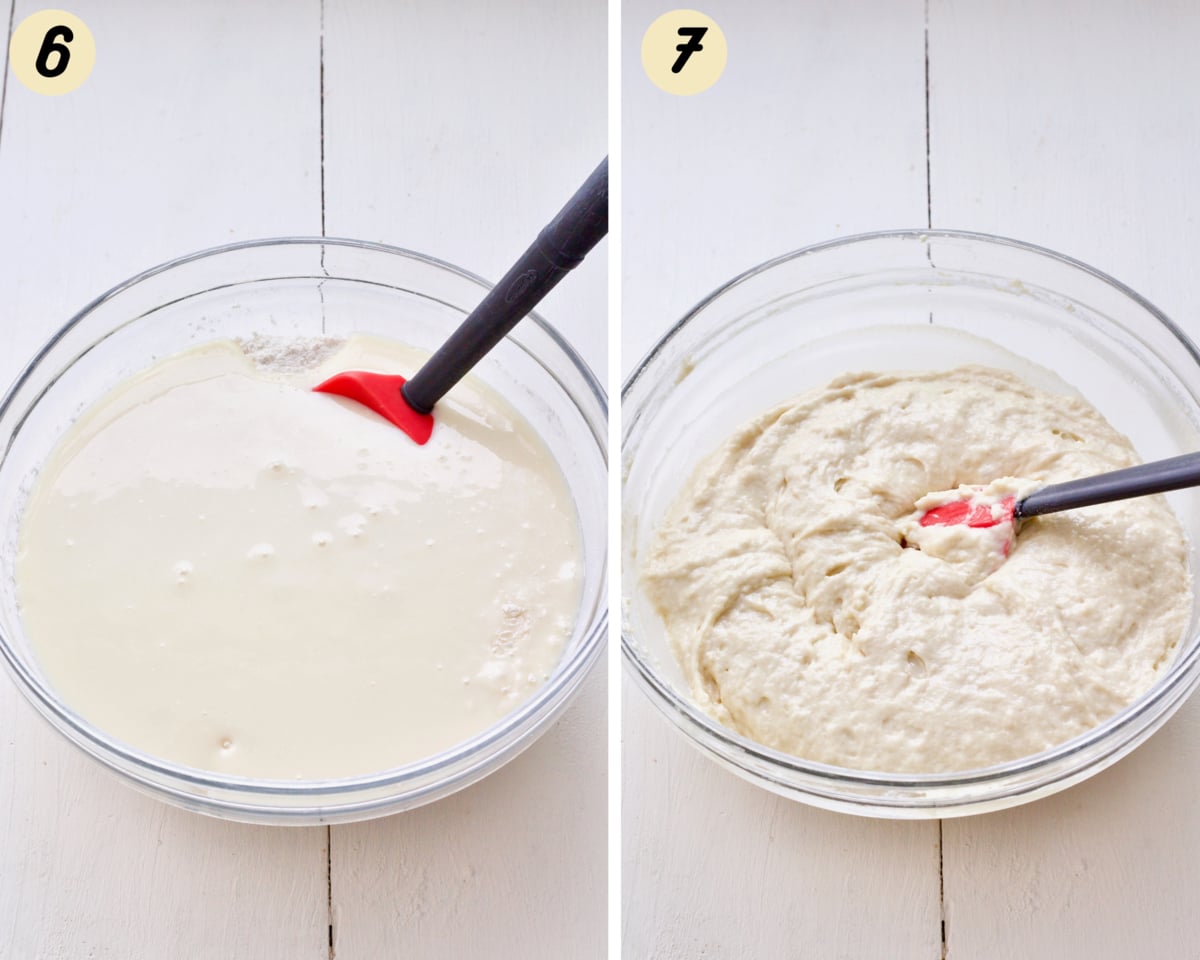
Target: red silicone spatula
[
  {"x": 1140, "y": 481},
  {"x": 559, "y": 248}
]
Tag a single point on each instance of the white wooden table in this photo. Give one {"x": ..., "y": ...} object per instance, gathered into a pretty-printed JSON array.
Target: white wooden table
[
  {"x": 205, "y": 123},
  {"x": 1074, "y": 125}
]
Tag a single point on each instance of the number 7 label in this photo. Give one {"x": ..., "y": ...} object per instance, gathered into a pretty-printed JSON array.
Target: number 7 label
[{"x": 691, "y": 66}]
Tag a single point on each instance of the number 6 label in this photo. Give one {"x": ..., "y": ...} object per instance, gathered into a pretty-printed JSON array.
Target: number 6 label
[{"x": 52, "y": 52}]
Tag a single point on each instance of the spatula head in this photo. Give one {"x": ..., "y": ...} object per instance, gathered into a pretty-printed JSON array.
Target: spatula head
[
  {"x": 974, "y": 512},
  {"x": 381, "y": 392}
]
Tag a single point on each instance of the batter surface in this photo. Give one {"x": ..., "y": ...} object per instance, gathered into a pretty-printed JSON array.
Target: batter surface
[
  {"x": 811, "y": 612},
  {"x": 224, "y": 569}
]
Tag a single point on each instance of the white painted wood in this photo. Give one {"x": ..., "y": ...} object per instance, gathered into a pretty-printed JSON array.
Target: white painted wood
[
  {"x": 716, "y": 867},
  {"x": 203, "y": 126},
  {"x": 816, "y": 129},
  {"x": 199, "y": 125},
  {"x": 1076, "y": 125},
  {"x": 511, "y": 867},
  {"x": 1105, "y": 869},
  {"x": 89, "y": 868},
  {"x": 459, "y": 130},
  {"x": 1073, "y": 125}
]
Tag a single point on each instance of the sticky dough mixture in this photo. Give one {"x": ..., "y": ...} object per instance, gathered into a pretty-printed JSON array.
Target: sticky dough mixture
[
  {"x": 224, "y": 569},
  {"x": 811, "y": 612}
]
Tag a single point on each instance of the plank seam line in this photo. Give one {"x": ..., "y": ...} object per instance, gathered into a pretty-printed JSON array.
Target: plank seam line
[
  {"x": 12, "y": 15},
  {"x": 322, "y": 124},
  {"x": 928, "y": 166},
  {"x": 329, "y": 881},
  {"x": 328, "y": 827},
  {"x": 942, "y": 886},
  {"x": 321, "y": 284}
]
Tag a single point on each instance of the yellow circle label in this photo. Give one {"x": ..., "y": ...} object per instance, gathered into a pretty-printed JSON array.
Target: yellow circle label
[
  {"x": 683, "y": 52},
  {"x": 52, "y": 52}
]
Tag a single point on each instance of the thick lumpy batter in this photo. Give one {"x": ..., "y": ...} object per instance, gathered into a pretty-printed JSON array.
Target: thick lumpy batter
[
  {"x": 226, "y": 570},
  {"x": 811, "y": 612}
]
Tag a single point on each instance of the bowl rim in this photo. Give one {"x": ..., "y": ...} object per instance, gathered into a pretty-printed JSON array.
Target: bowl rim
[
  {"x": 562, "y": 682},
  {"x": 730, "y": 745}
]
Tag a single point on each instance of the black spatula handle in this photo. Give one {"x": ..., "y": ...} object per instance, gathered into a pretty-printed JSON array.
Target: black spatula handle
[
  {"x": 1140, "y": 481},
  {"x": 559, "y": 248}
]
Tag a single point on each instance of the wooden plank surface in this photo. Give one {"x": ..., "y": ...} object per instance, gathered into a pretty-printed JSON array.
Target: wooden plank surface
[
  {"x": 89, "y": 868},
  {"x": 460, "y": 130},
  {"x": 497, "y": 115},
  {"x": 225, "y": 144},
  {"x": 716, "y": 867},
  {"x": 816, "y": 129},
  {"x": 1076, "y": 125},
  {"x": 199, "y": 125},
  {"x": 513, "y": 866}
]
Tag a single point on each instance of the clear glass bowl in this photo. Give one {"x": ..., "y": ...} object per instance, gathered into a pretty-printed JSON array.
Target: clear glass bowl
[
  {"x": 900, "y": 300},
  {"x": 306, "y": 287}
]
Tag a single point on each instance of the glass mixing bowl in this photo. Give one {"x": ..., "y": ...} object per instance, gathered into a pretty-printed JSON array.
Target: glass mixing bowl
[
  {"x": 306, "y": 287},
  {"x": 901, "y": 300}
]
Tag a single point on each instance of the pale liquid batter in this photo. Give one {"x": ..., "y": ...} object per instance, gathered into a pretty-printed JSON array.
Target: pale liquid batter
[
  {"x": 226, "y": 570},
  {"x": 812, "y": 612}
]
